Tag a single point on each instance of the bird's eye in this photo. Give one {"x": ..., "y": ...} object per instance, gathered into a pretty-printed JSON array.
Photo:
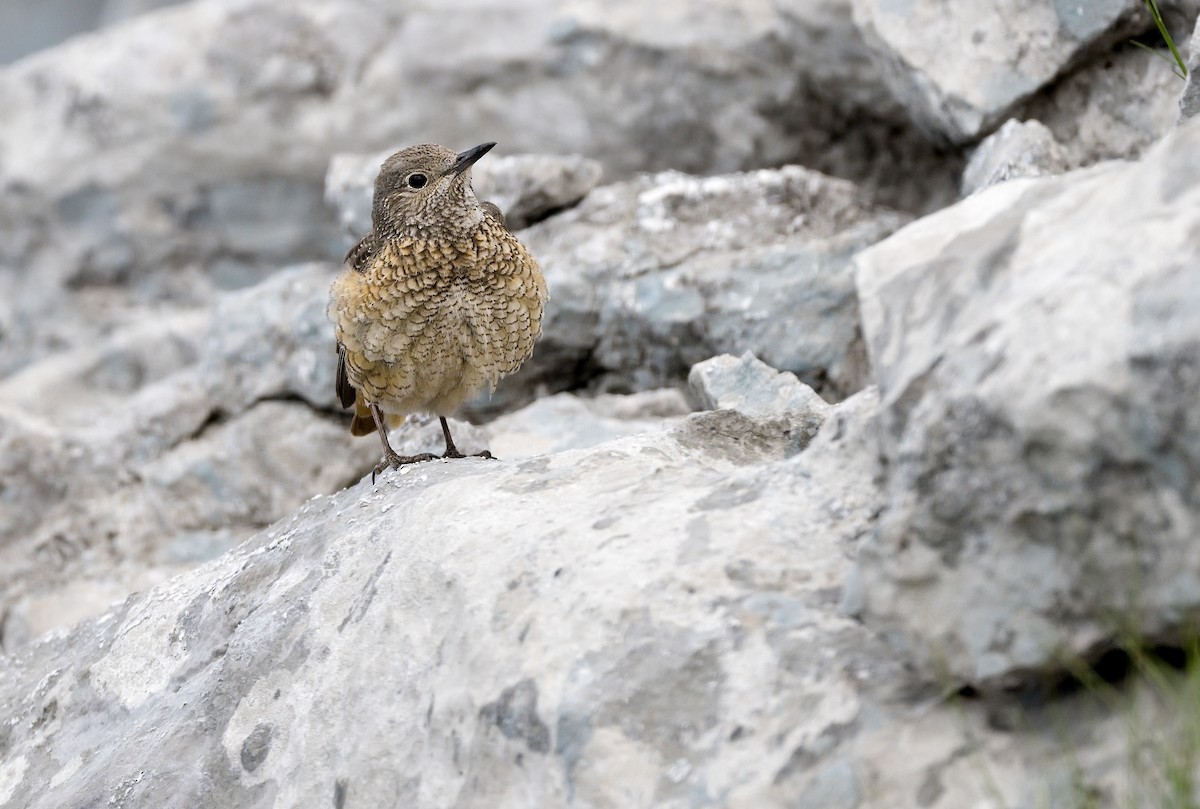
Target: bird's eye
[{"x": 417, "y": 180}]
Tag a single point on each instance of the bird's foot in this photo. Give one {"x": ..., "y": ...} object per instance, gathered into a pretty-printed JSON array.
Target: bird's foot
[
  {"x": 394, "y": 461},
  {"x": 454, "y": 453}
]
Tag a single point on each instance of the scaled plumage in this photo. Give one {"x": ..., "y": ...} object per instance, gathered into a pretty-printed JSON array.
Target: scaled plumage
[{"x": 437, "y": 303}]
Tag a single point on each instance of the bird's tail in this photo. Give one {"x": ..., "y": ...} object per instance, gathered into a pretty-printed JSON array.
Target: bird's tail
[{"x": 363, "y": 424}]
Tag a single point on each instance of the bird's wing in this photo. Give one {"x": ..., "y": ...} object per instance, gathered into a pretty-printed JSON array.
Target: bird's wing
[
  {"x": 361, "y": 254},
  {"x": 345, "y": 391},
  {"x": 493, "y": 212}
]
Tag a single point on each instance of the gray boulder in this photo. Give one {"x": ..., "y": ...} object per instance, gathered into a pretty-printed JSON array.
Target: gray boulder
[
  {"x": 183, "y": 152},
  {"x": 1017, "y": 149},
  {"x": 514, "y": 633},
  {"x": 1036, "y": 351},
  {"x": 27, "y": 26},
  {"x": 163, "y": 445},
  {"x": 751, "y": 387},
  {"x": 1116, "y": 106},
  {"x": 1189, "y": 99},
  {"x": 650, "y": 276},
  {"x": 961, "y": 68}
]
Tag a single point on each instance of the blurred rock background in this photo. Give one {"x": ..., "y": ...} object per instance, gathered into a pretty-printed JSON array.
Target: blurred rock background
[{"x": 858, "y": 464}]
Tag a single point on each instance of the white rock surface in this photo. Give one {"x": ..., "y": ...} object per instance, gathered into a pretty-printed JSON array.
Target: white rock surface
[
  {"x": 1116, "y": 106},
  {"x": 1038, "y": 430},
  {"x": 961, "y": 68},
  {"x": 1017, "y": 149},
  {"x": 650, "y": 622},
  {"x": 651, "y": 276},
  {"x": 636, "y": 605},
  {"x": 1189, "y": 99},
  {"x": 751, "y": 387},
  {"x": 183, "y": 152}
]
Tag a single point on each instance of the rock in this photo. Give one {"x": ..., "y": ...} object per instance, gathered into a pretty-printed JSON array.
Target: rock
[
  {"x": 165, "y": 445},
  {"x": 1036, "y": 353},
  {"x": 1001, "y": 54},
  {"x": 755, "y": 389},
  {"x": 516, "y": 632},
  {"x": 176, "y": 437},
  {"x": 27, "y": 26},
  {"x": 628, "y": 673},
  {"x": 204, "y": 171},
  {"x": 1116, "y": 106},
  {"x": 565, "y": 421},
  {"x": 1189, "y": 100},
  {"x": 651, "y": 276},
  {"x": 1017, "y": 149},
  {"x": 526, "y": 187},
  {"x": 273, "y": 341}
]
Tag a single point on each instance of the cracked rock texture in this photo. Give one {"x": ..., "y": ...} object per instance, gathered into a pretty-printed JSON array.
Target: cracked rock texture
[
  {"x": 502, "y": 634},
  {"x": 652, "y": 275},
  {"x": 183, "y": 152},
  {"x": 1002, "y": 53},
  {"x": 1017, "y": 149},
  {"x": 1038, "y": 425},
  {"x": 943, "y": 459}
]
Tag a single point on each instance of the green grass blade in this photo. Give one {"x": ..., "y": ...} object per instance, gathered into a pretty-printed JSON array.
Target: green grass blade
[{"x": 1166, "y": 35}]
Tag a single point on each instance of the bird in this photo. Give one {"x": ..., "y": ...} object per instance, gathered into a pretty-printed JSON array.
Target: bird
[{"x": 436, "y": 303}]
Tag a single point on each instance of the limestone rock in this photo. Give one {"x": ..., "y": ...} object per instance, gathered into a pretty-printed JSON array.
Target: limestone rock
[
  {"x": 181, "y": 153},
  {"x": 651, "y": 276},
  {"x": 751, "y": 387},
  {"x": 566, "y": 421},
  {"x": 27, "y": 26},
  {"x": 1189, "y": 100},
  {"x": 1017, "y": 149},
  {"x": 1036, "y": 351},
  {"x": 960, "y": 68},
  {"x": 1116, "y": 106},
  {"x": 512, "y": 633}
]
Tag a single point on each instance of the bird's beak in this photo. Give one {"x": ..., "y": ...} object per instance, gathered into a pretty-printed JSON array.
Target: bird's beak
[{"x": 466, "y": 159}]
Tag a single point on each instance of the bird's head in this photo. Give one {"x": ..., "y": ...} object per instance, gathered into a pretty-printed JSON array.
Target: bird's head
[{"x": 425, "y": 191}]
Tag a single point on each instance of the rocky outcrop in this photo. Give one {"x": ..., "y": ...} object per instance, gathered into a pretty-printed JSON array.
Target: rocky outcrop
[
  {"x": 486, "y": 633},
  {"x": 172, "y": 442},
  {"x": 1113, "y": 107},
  {"x": 960, "y": 69},
  {"x": 183, "y": 152},
  {"x": 750, "y": 386},
  {"x": 1038, "y": 379},
  {"x": 653, "y": 275},
  {"x": 1017, "y": 149},
  {"x": 941, "y": 497}
]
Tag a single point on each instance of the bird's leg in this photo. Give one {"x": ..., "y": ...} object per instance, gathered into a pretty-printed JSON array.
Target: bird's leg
[
  {"x": 390, "y": 458},
  {"x": 451, "y": 450}
]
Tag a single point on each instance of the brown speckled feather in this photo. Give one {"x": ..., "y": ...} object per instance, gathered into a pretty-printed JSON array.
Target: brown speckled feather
[
  {"x": 440, "y": 301},
  {"x": 360, "y": 255},
  {"x": 430, "y": 323}
]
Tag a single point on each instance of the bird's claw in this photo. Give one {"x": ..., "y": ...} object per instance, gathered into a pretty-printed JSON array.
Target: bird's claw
[
  {"x": 453, "y": 453},
  {"x": 395, "y": 461}
]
